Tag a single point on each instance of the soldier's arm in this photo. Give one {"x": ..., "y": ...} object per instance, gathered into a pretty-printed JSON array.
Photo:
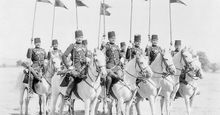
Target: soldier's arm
[
  {"x": 29, "y": 53},
  {"x": 49, "y": 55},
  {"x": 128, "y": 53},
  {"x": 147, "y": 51},
  {"x": 65, "y": 55}
]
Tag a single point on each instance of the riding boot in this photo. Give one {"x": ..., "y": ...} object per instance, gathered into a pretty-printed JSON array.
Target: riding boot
[
  {"x": 108, "y": 84},
  {"x": 30, "y": 84},
  {"x": 69, "y": 90}
]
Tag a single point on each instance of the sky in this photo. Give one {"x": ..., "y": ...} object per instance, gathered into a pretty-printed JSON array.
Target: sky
[{"x": 196, "y": 24}]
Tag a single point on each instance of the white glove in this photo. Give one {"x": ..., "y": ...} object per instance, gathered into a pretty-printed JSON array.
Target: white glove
[
  {"x": 88, "y": 59},
  {"x": 71, "y": 67}
]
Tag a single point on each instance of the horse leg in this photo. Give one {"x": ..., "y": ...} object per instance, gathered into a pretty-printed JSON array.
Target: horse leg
[
  {"x": 167, "y": 100},
  {"x": 152, "y": 104},
  {"x": 54, "y": 98},
  {"x": 61, "y": 105},
  {"x": 21, "y": 100},
  {"x": 187, "y": 102},
  {"x": 87, "y": 106},
  {"x": 162, "y": 101},
  {"x": 72, "y": 112},
  {"x": 40, "y": 104},
  {"x": 137, "y": 106},
  {"x": 120, "y": 106},
  {"x": 97, "y": 106},
  {"x": 93, "y": 106},
  {"x": 27, "y": 99}
]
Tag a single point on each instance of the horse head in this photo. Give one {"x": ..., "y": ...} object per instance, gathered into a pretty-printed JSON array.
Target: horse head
[
  {"x": 167, "y": 61},
  {"x": 197, "y": 71},
  {"x": 56, "y": 63},
  {"x": 99, "y": 60},
  {"x": 143, "y": 64}
]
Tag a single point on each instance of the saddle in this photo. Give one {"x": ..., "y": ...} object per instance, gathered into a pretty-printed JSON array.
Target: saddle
[{"x": 26, "y": 80}]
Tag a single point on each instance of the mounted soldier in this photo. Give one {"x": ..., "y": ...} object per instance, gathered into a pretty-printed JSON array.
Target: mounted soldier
[
  {"x": 112, "y": 52},
  {"x": 37, "y": 56},
  {"x": 136, "y": 49},
  {"x": 153, "y": 50},
  {"x": 177, "y": 46},
  {"x": 55, "y": 52},
  {"x": 79, "y": 59}
]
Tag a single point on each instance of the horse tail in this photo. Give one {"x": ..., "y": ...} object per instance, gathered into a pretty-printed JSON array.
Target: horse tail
[{"x": 19, "y": 82}]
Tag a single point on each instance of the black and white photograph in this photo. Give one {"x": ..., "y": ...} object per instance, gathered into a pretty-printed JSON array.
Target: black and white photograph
[{"x": 109, "y": 57}]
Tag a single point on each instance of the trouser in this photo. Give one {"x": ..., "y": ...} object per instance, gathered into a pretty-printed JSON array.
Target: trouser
[
  {"x": 70, "y": 87},
  {"x": 112, "y": 75}
]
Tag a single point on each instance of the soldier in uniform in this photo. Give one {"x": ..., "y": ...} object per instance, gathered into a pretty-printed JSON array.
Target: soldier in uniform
[
  {"x": 153, "y": 50},
  {"x": 37, "y": 55},
  {"x": 55, "y": 52},
  {"x": 177, "y": 46},
  {"x": 136, "y": 49},
  {"x": 79, "y": 58},
  {"x": 113, "y": 64}
]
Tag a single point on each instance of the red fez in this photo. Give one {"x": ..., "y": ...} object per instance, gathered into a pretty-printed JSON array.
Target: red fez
[
  {"x": 111, "y": 34},
  {"x": 137, "y": 38},
  {"x": 54, "y": 42},
  {"x": 37, "y": 40},
  {"x": 78, "y": 33}
]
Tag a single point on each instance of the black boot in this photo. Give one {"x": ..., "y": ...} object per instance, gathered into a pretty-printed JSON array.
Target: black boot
[
  {"x": 108, "y": 84},
  {"x": 69, "y": 90}
]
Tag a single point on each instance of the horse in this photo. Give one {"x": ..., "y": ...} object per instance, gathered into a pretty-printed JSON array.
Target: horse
[
  {"x": 124, "y": 92},
  {"x": 41, "y": 88},
  {"x": 192, "y": 75},
  {"x": 160, "y": 83},
  {"x": 88, "y": 89}
]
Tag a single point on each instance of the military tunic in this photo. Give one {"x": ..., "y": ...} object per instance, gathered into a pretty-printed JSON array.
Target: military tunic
[
  {"x": 152, "y": 52},
  {"x": 131, "y": 52},
  {"x": 174, "y": 52},
  {"x": 37, "y": 56},
  {"x": 78, "y": 55},
  {"x": 54, "y": 54},
  {"x": 112, "y": 53}
]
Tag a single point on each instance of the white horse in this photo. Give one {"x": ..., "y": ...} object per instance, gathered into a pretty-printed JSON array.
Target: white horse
[
  {"x": 192, "y": 74},
  {"x": 41, "y": 88},
  {"x": 88, "y": 89},
  {"x": 125, "y": 92},
  {"x": 161, "y": 82}
]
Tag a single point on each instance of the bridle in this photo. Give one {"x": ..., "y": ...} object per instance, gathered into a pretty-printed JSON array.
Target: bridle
[{"x": 167, "y": 68}]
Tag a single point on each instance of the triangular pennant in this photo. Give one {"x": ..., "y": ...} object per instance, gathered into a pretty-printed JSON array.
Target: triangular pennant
[
  {"x": 58, "y": 3},
  {"x": 45, "y": 1},
  {"x": 177, "y": 1},
  {"x": 80, "y": 3}
]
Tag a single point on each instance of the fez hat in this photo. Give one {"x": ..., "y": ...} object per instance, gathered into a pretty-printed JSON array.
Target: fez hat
[
  {"x": 78, "y": 33},
  {"x": 122, "y": 44},
  {"x": 84, "y": 42},
  {"x": 177, "y": 42},
  {"x": 137, "y": 38},
  {"x": 37, "y": 40},
  {"x": 154, "y": 37},
  {"x": 111, "y": 34},
  {"x": 54, "y": 42}
]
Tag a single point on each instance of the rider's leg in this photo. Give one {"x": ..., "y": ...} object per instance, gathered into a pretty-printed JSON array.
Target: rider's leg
[
  {"x": 69, "y": 90},
  {"x": 108, "y": 83}
]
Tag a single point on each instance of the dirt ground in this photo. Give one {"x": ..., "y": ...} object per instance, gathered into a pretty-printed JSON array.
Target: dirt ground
[{"x": 207, "y": 103}]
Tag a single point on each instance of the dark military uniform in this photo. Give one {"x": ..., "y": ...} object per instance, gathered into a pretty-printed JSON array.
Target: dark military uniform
[
  {"x": 153, "y": 50},
  {"x": 113, "y": 63},
  {"x": 122, "y": 54},
  {"x": 131, "y": 52},
  {"x": 177, "y": 43},
  {"x": 55, "y": 52},
  {"x": 37, "y": 56},
  {"x": 78, "y": 53}
]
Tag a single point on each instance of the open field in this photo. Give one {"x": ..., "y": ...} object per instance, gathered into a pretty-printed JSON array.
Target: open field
[{"x": 207, "y": 103}]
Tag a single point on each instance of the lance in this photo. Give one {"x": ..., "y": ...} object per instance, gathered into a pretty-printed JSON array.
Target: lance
[
  {"x": 170, "y": 19},
  {"x": 99, "y": 29},
  {"x": 33, "y": 24},
  {"x": 77, "y": 26},
  {"x": 149, "y": 21},
  {"x": 131, "y": 17},
  {"x": 53, "y": 22}
]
